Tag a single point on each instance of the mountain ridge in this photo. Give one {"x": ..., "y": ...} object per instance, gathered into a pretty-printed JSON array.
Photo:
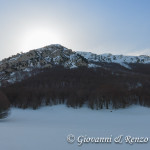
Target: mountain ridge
[{"x": 13, "y": 68}]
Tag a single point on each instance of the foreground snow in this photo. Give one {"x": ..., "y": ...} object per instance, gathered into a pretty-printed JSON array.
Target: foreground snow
[{"x": 47, "y": 128}]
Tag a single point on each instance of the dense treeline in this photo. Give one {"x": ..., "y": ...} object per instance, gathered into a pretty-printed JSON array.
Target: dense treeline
[
  {"x": 98, "y": 88},
  {"x": 4, "y": 105},
  {"x": 141, "y": 68}
]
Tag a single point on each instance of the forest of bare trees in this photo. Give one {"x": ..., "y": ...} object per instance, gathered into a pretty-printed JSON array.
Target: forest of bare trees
[
  {"x": 4, "y": 105},
  {"x": 98, "y": 88}
]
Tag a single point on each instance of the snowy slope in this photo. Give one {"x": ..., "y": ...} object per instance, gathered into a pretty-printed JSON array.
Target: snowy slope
[
  {"x": 115, "y": 58},
  {"x": 119, "y": 59},
  {"x": 48, "y": 127}
]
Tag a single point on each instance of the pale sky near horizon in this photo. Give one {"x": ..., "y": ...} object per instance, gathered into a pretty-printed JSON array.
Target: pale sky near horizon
[{"x": 99, "y": 26}]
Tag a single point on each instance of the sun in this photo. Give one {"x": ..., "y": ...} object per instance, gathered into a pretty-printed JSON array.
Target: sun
[{"x": 39, "y": 37}]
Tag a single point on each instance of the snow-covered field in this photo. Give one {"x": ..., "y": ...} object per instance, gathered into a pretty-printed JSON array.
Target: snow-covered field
[{"x": 47, "y": 128}]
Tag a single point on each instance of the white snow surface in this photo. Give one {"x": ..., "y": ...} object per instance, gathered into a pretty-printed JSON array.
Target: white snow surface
[
  {"x": 47, "y": 128},
  {"x": 120, "y": 59},
  {"x": 93, "y": 66},
  {"x": 115, "y": 58}
]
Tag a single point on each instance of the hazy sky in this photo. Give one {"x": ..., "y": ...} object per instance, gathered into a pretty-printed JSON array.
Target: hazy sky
[{"x": 99, "y": 26}]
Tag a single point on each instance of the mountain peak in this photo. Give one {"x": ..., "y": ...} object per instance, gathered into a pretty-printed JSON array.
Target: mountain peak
[
  {"x": 45, "y": 57},
  {"x": 53, "y": 47}
]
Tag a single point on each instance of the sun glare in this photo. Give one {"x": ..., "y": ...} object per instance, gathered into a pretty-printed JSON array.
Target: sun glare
[{"x": 39, "y": 37}]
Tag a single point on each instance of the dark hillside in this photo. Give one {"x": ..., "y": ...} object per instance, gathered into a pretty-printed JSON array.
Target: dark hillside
[{"x": 97, "y": 87}]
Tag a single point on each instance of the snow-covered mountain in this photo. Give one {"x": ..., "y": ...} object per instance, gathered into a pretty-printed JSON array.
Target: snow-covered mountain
[
  {"x": 15, "y": 67},
  {"x": 42, "y": 57},
  {"x": 119, "y": 59}
]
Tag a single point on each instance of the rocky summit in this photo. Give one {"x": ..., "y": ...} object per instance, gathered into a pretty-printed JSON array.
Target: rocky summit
[{"x": 46, "y": 57}]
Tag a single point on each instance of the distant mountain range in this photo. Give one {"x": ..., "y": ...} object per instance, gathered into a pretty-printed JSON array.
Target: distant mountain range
[{"x": 15, "y": 68}]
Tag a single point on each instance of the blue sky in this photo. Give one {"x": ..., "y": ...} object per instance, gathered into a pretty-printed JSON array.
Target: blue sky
[{"x": 99, "y": 26}]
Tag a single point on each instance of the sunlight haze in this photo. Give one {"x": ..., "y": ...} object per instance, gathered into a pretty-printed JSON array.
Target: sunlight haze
[{"x": 98, "y": 26}]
